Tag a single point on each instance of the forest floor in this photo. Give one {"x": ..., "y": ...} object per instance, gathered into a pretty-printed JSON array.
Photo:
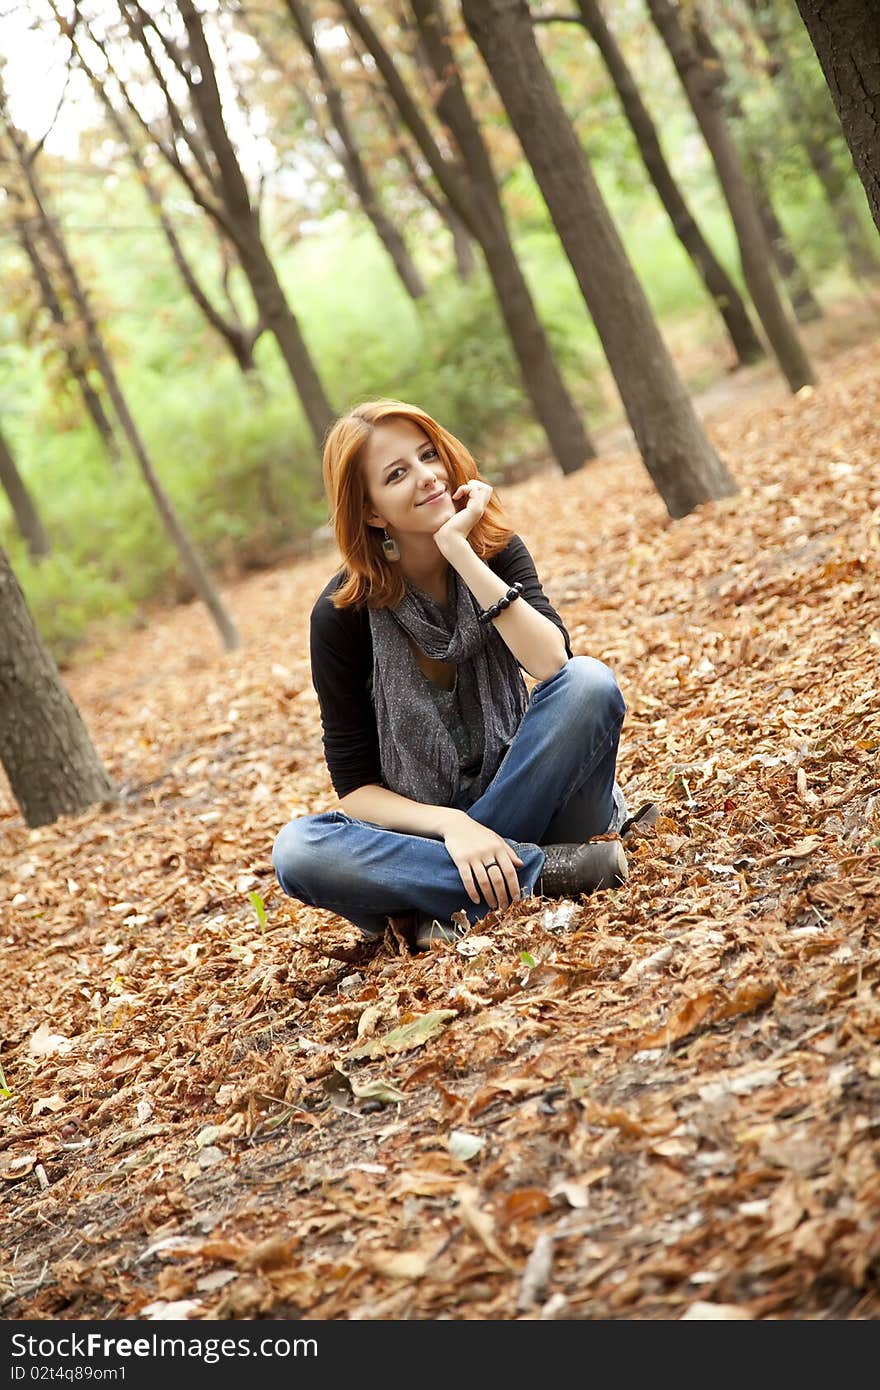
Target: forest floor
[{"x": 658, "y": 1102}]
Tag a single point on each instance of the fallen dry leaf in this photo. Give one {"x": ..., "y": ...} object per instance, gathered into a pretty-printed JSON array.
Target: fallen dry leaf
[
  {"x": 408, "y": 1036},
  {"x": 480, "y": 1223},
  {"x": 45, "y": 1043}
]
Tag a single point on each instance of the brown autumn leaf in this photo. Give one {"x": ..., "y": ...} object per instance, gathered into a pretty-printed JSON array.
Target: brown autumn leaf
[
  {"x": 747, "y": 1000},
  {"x": 509, "y": 1086},
  {"x": 523, "y": 1205},
  {"x": 685, "y": 1019},
  {"x": 480, "y": 1223},
  {"x": 408, "y": 1036}
]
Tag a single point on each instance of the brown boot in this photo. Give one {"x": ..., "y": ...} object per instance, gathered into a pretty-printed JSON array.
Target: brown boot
[{"x": 573, "y": 869}]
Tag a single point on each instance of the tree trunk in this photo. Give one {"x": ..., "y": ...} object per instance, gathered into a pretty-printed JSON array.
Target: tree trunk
[
  {"x": 461, "y": 241},
  {"x": 198, "y": 574},
  {"x": 755, "y": 251},
  {"x": 846, "y": 37},
  {"x": 682, "y": 463},
  {"x": 817, "y": 140},
  {"x": 462, "y": 244},
  {"x": 544, "y": 380},
  {"x": 23, "y": 509},
  {"x": 355, "y": 168},
  {"x": 720, "y": 287},
  {"x": 78, "y": 368},
  {"x": 804, "y": 303},
  {"x": 474, "y": 196},
  {"x": 244, "y": 225},
  {"x": 51, "y": 763},
  {"x": 860, "y": 256},
  {"x": 239, "y": 339}
]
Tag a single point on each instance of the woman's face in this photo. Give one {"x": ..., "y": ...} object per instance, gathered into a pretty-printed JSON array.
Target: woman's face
[{"x": 408, "y": 489}]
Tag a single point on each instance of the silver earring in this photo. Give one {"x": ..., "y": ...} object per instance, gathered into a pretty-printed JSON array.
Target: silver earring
[{"x": 390, "y": 548}]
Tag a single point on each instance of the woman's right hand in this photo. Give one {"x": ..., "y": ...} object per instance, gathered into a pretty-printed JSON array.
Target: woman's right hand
[{"x": 486, "y": 862}]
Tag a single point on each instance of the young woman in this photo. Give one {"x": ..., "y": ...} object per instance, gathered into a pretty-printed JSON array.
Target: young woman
[{"x": 457, "y": 788}]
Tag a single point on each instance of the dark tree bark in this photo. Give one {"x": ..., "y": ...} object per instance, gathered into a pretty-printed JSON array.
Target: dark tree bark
[
  {"x": 471, "y": 189},
  {"x": 198, "y": 574},
  {"x": 846, "y": 37},
  {"x": 353, "y": 163},
  {"x": 45, "y": 749},
  {"x": 719, "y": 285},
  {"x": 755, "y": 252},
  {"x": 27, "y": 518},
  {"x": 679, "y": 458}
]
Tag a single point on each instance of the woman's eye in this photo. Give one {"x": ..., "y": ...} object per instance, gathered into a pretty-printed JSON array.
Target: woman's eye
[{"x": 423, "y": 458}]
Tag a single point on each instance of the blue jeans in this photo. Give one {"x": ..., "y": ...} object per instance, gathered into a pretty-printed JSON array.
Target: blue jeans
[{"x": 555, "y": 785}]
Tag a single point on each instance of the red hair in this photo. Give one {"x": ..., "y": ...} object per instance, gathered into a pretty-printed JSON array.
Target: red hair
[{"x": 371, "y": 577}]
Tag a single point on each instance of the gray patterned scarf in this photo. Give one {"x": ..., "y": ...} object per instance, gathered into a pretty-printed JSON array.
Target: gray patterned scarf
[{"x": 419, "y": 759}]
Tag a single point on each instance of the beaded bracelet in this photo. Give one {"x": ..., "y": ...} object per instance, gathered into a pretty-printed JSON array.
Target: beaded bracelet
[{"x": 513, "y": 592}]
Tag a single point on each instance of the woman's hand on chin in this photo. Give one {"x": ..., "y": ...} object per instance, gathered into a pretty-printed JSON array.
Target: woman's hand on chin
[{"x": 476, "y": 495}]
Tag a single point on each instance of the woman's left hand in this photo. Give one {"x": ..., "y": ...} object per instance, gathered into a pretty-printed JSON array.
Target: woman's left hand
[{"x": 477, "y": 495}]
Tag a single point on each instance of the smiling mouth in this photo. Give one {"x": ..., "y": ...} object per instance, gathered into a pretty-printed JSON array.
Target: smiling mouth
[{"x": 433, "y": 498}]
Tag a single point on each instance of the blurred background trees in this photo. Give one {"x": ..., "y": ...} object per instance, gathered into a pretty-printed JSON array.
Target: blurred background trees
[{"x": 224, "y": 222}]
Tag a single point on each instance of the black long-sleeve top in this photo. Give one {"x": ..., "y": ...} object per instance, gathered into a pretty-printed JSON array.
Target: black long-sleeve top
[{"x": 341, "y": 647}]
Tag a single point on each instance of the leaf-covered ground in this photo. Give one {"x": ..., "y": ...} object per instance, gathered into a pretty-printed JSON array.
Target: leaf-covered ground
[{"x": 659, "y": 1102}]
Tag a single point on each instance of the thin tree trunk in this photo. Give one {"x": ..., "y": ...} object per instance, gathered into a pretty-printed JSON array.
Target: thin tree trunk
[
  {"x": 679, "y": 458},
  {"x": 462, "y": 244},
  {"x": 816, "y": 140},
  {"x": 245, "y": 228},
  {"x": 862, "y": 261},
  {"x": 846, "y": 37},
  {"x": 49, "y": 759},
  {"x": 198, "y": 574},
  {"x": 77, "y": 367},
  {"x": 355, "y": 168},
  {"x": 473, "y": 193},
  {"x": 755, "y": 251},
  {"x": 27, "y": 518},
  {"x": 239, "y": 339},
  {"x": 804, "y": 303},
  {"x": 719, "y": 285},
  {"x": 544, "y": 380}
]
